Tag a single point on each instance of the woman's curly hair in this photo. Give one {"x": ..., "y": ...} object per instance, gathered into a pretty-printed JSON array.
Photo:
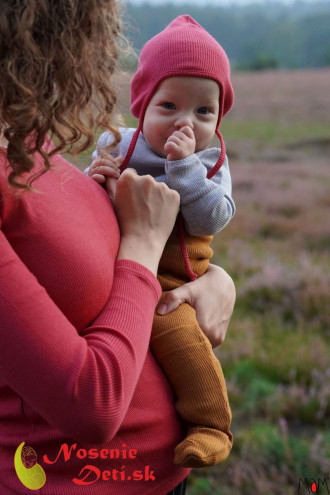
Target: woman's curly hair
[{"x": 56, "y": 61}]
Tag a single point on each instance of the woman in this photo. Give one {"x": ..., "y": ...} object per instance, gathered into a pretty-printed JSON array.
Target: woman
[{"x": 78, "y": 384}]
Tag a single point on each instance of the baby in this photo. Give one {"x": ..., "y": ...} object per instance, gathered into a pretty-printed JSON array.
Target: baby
[{"x": 180, "y": 93}]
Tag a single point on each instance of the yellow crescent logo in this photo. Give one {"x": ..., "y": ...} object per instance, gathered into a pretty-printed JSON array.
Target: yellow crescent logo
[{"x": 29, "y": 472}]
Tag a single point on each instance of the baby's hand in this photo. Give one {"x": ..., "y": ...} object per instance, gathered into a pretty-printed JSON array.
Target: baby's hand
[
  {"x": 105, "y": 170},
  {"x": 104, "y": 167},
  {"x": 180, "y": 144}
]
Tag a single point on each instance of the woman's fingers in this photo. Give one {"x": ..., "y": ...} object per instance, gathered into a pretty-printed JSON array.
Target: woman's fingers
[
  {"x": 213, "y": 298},
  {"x": 151, "y": 204},
  {"x": 111, "y": 186},
  {"x": 173, "y": 299},
  {"x": 146, "y": 212}
]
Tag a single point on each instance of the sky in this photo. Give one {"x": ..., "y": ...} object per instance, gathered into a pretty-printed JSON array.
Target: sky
[{"x": 219, "y": 3}]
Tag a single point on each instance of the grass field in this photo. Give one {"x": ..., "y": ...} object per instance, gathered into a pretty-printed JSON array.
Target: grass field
[{"x": 276, "y": 357}]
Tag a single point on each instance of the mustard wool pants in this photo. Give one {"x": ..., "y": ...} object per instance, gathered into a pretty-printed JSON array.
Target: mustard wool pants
[{"x": 187, "y": 358}]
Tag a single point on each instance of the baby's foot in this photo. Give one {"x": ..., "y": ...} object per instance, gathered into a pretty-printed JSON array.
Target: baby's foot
[{"x": 202, "y": 447}]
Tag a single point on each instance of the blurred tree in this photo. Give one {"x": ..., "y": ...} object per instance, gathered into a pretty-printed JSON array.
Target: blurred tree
[
  {"x": 255, "y": 36},
  {"x": 261, "y": 61}
]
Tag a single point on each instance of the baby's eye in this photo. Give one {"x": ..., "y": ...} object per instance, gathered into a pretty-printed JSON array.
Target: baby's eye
[
  {"x": 203, "y": 110},
  {"x": 168, "y": 105}
]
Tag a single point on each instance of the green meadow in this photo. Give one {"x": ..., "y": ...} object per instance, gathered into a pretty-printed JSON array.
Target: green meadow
[{"x": 276, "y": 357}]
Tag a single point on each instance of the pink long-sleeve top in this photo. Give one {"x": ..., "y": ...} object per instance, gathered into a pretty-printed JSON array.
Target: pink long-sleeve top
[{"x": 78, "y": 383}]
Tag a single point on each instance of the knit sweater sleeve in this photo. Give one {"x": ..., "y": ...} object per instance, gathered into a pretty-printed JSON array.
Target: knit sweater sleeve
[
  {"x": 206, "y": 204},
  {"x": 81, "y": 384}
]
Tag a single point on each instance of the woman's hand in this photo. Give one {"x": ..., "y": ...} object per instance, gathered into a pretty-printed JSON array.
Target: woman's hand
[
  {"x": 213, "y": 298},
  {"x": 146, "y": 212}
]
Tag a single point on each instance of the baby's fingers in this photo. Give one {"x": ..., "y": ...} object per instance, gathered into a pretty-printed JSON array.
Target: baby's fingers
[
  {"x": 105, "y": 171},
  {"x": 100, "y": 179},
  {"x": 106, "y": 161},
  {"x": 174, "y": 139},
  {"x": 187, "y": 131},
  {"x": 173, "y": 150}
]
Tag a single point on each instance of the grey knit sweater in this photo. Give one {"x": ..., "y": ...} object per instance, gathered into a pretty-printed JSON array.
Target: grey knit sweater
[{"x": 206, "y": 204}]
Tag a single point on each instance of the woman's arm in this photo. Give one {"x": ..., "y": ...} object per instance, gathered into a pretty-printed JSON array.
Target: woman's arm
[
  {"x": 213, "y": 298},
  {"x": 82, "y": 384}
]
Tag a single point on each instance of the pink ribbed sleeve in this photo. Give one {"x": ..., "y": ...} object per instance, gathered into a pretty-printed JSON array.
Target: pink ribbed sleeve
[{"x": 81, "y": 384}]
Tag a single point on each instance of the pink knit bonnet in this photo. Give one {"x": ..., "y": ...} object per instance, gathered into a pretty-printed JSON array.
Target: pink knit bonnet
[{"x": 183, "y": 48}]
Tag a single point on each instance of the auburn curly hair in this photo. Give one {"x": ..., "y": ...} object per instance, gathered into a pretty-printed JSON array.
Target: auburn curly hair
[{"x": 56, "y": 61}]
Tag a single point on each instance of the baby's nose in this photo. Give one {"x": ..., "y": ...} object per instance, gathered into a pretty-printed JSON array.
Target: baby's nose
[{"x": 183, "y": 120}]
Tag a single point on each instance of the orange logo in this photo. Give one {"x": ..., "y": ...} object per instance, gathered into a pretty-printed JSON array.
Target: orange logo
[{"x": 29, "y": 472}]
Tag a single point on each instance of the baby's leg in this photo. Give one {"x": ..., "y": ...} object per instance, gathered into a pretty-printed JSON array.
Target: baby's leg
[{"x": 187, "y": 358}]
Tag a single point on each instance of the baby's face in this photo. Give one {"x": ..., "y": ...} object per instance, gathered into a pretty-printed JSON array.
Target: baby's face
[{"x": 182, "y": 101}]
